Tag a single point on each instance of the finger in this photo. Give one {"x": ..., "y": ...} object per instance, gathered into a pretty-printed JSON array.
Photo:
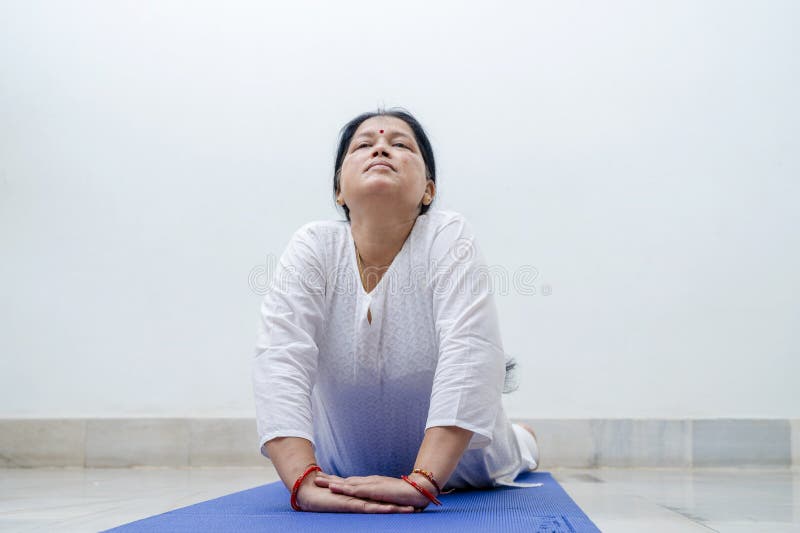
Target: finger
[
  {"x": 367, "y": 491},
  {"x": 352, "y": 504},
  {"x": 355, "y": 482},
  {"x": 338, "y": 488},
  {"x": 352, "y": 480},
  {"x": 356, "y": 479},
  {"x": 378, "y": 507},
  {"x": 325, "y": 481},
  {"x": 331, "y": 477},
  {"x": 360, "y": 491},
  {"x": 358, "y": 505}
]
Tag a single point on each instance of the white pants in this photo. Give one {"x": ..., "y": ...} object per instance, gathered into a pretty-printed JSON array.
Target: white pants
[{"x": 527, "y": 446}]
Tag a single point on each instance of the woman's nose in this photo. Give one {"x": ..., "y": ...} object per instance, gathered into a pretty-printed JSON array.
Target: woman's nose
[{"x": 380, "y": 148}]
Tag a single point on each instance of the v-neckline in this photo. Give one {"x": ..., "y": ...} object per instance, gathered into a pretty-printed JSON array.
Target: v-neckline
[{"x": 354, "y": 260}]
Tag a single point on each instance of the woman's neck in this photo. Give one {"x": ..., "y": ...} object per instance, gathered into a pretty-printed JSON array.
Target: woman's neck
[{"x": 379, "y": 239}]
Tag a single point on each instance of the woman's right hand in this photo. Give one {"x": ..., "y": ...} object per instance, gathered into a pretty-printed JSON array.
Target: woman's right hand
[{"x": 311, "y": 497}]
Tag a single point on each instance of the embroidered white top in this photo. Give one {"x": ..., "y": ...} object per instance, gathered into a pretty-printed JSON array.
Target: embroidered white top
[{"x": 365, "y": 392}]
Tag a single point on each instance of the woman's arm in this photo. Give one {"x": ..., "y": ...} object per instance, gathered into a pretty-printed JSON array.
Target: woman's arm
[
  {"x": 470, "y": 370},
  {"x": 284, "y": 366},
  {"x": 440, "y": 452},
  {"x": 291, "y": 456}
]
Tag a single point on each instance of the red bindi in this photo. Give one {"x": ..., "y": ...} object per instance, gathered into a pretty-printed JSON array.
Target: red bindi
[{"x": 381, "y": 131}]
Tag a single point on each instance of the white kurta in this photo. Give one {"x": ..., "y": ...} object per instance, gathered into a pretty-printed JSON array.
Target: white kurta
[{"x": 364, "y": 393}]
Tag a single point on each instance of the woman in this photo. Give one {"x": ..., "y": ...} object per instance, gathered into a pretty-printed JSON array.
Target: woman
[{"x": 379, "y": 350}]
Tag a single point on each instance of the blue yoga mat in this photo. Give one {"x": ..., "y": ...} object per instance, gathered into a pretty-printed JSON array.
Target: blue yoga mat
[{"x": 266, "y": 508}]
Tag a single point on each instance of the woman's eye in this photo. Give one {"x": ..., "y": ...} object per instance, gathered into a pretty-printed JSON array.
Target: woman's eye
[{"x": 365, "y": 144}]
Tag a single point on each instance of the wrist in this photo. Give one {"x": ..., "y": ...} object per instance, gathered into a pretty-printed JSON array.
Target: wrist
[
  {"x": 422, "y": 489},
  {"x": 420, "y": 479},
  {"x": 308, "y": 476},
  {"x": 302, "y": 490}
]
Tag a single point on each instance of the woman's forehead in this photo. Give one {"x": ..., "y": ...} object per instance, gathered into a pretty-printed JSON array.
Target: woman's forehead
[{"x": 383, "y": 125}]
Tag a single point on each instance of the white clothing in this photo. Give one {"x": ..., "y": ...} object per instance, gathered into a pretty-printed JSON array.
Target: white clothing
[{"x": 364, "y": 393}]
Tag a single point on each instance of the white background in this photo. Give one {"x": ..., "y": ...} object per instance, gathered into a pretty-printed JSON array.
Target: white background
[{"x": 641, "y": 156}]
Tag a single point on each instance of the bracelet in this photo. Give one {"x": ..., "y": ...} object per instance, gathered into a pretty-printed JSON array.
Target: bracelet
[
  {"x": 422, "y": 490},
  {"x": 311, "y": 468},
  {"x": 430, "y": 477}
]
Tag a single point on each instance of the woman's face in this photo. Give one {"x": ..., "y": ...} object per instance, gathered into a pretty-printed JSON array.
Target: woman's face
[{"x": 398, "y": 188}]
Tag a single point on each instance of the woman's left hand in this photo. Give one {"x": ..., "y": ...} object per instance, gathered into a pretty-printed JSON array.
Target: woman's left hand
[{"x": 378, "y": 488}]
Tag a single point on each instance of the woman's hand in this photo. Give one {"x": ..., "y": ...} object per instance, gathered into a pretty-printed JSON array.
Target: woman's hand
[
  {"x": 379, "y": 488},
  {"x": 316, "y": 498}
]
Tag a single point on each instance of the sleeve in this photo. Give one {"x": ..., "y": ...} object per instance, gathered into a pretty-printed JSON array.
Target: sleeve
[
  {"x": 284, "y": 367},
  {"x": 470, "y": 370}
]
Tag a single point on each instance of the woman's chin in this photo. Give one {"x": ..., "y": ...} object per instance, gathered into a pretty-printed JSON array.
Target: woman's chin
[
  {"x": 381, "y": 176},
  {"x": 380, "y": 185}
]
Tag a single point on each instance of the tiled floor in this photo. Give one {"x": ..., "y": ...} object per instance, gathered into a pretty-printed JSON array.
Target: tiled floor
[{"x": 617, "y": 500}]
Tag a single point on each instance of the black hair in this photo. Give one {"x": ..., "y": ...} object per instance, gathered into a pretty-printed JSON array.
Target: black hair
[
  {"x": 510, "y": 384},
  {"x": 349, "y": 129}
]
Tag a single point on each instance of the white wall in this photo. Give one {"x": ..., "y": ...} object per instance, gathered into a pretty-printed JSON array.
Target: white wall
[{"x": 642, "y": 156}]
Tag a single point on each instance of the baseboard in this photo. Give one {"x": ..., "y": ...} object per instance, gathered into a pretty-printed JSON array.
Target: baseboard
[{"x": 584, "y": 443}]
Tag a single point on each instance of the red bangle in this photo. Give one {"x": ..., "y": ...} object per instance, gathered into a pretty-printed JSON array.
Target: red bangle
[
  {"x": 299, "y": 482},
  {"x": 424, "y": 491}
]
